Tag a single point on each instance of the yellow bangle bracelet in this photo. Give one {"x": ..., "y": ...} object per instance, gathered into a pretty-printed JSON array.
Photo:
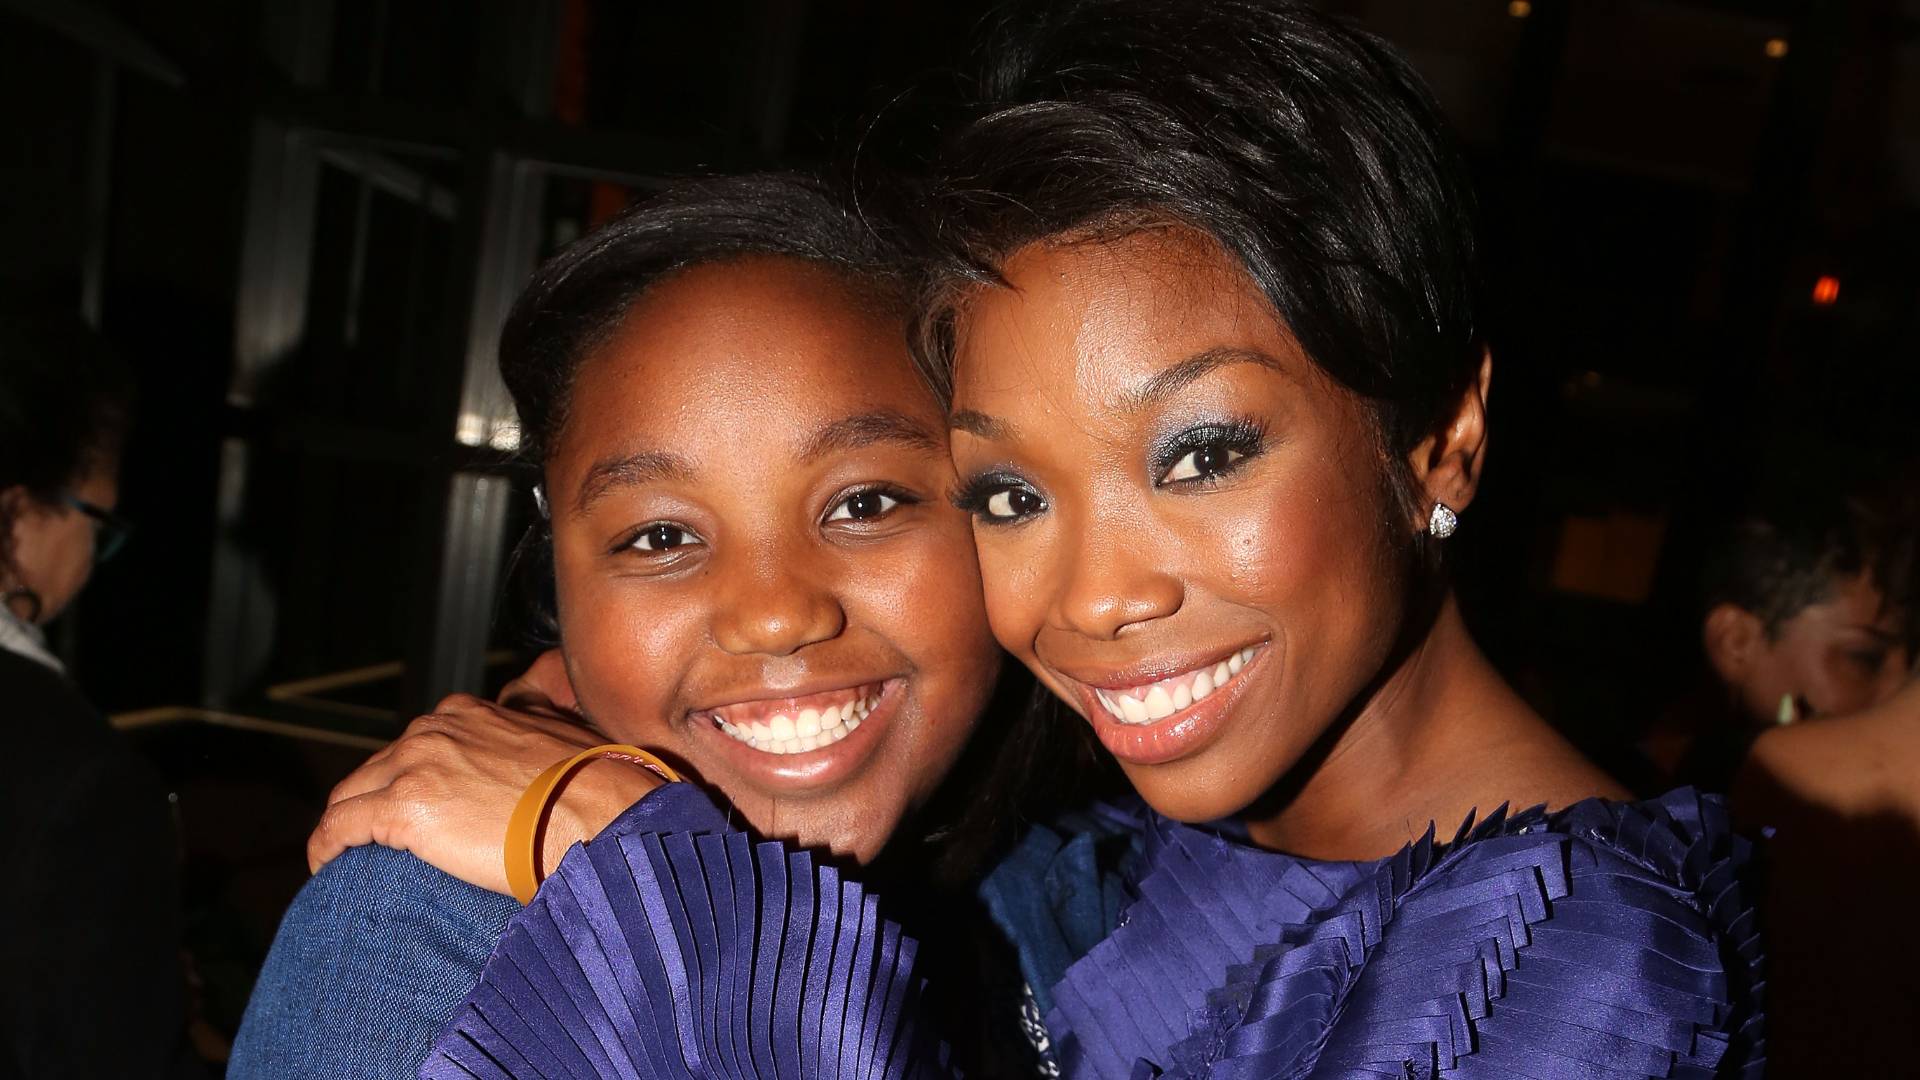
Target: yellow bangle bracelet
[{"x": 523, "y": 828}]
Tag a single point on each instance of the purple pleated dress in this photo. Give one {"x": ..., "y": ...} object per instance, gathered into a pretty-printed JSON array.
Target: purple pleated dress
[{"x": 1607, "y": 940}]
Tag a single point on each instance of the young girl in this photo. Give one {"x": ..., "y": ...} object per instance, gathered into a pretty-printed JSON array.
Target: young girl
[{"x": 744, "y": 484}]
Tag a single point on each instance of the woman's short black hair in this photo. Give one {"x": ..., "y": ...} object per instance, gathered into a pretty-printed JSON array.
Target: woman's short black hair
[
  {"x": 1307, "y": 148},
  {"x": 1805, "y": 532},
  {"x": 65, "y": 400},
  {"x": 577, "y": 298}
]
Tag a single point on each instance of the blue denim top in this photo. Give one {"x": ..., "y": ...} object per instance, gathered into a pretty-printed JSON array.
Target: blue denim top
[{"x": 379, "y": 948}]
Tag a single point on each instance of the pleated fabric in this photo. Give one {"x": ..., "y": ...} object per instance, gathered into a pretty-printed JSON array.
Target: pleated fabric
[
  {"x": 680, "y": 955},
  {"x": 1607, "y": 941}
]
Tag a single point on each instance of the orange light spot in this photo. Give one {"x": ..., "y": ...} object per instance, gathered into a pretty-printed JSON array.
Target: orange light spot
[
  {"x": 1776, "y": 48},
  {"x": 1826, "y": 290},
  {"x": 1519, "y": 9}
]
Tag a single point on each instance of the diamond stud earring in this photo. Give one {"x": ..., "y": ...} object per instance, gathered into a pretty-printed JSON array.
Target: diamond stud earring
[{"x": 1442, "y": 522}]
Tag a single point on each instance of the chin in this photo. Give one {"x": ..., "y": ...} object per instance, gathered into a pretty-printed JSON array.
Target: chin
[{"x": 1194, "y": 801}]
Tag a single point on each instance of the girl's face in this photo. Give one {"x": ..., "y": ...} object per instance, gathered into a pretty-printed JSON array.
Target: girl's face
[
  {"x": 757, "y": 573},
  {"x": 1184, "y": 526}
]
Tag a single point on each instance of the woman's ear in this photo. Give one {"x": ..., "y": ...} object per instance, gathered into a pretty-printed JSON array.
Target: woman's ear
[
  {"x": 1447, "y": 463},
  {"x": 1734, "y": 639},
  {"x": 13, "y": 505}
]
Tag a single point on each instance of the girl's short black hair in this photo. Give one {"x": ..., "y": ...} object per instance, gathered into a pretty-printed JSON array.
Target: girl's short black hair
[
  {"x": 576, "y": 299},
  {"x": 1308, "y": 149},
  {"x": 65, "y": 400}
]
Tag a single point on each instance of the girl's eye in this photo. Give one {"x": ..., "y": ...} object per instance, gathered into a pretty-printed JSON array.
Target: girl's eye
[
  {"x": 864, "y": 506},
  {"x": 1202, "y": 463},
  {"x": 1008, "y": 504},
  {"x": 662, "y": 537}
]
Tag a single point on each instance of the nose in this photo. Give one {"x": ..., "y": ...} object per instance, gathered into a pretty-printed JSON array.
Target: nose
[
  {"x": 1111, "y": 580},
  {"x": 774, "y": 608}
]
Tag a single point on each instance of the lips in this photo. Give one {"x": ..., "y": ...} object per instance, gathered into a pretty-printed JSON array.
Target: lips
[
  {"x": 797, "y": 725},
  {"x": 1170, "y": 716},
  {"x": 756, "y": 740},
  {"x": 1158, "y": 700}
]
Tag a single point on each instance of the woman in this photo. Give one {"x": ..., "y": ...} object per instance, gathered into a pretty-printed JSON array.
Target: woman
[
  {"x": 90, "y": 920},
  {"x": 743, "y": 482},
  {"x": 1218, "y": 398}
]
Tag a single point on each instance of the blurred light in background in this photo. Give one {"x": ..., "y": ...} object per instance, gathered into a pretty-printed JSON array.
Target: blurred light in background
[
  {"x": 1519, "y": 9},
  {"x": 1826, "y": 290},
  {"x": 1777, "y": 48}
]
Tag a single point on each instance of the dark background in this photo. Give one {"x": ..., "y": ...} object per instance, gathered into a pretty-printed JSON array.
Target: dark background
[{"x": 302, "y": 220}]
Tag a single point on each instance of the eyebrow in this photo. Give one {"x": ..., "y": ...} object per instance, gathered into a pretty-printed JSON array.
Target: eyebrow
[
  {"x": 882, "y": 426},
  {"x": 626, "y": 471},
  {"x": 1156, "y": 389},
  {"x": 1168, "y": 382},
  {"x": 978, "y": 423},
  {"x": 842, "y": 435}
]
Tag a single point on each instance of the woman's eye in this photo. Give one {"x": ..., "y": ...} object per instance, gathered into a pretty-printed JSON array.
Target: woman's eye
[
  {"x": 1009, "y": 503},
  {"x": 1203, "y": 462},
  {"x": 663, "y": 537},
  {"x": 864, "y": 506},
  {"x": 1869, "y": 660}
]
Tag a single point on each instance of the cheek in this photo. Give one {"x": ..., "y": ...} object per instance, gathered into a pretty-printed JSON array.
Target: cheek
[
  {"x": 624, "y": 650},
  {"x": 1011, "y": 570},
  {"x": 1303, "y": 551},
  {"x": 923, "y": 596}
]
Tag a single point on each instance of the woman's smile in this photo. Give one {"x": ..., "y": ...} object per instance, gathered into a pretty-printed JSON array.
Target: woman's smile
[{"x": 1149, "y": 719}]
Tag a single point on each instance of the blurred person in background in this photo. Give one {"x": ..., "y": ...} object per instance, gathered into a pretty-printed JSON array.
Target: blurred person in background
[
  {"x": 90, "y": 976},
  {"x": 1809, "y": 717},
  {"x": 1809, "y": 613}
]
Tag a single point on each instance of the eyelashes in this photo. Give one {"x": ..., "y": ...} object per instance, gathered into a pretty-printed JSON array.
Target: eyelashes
[
  {"x": 855, "y": 510},
  {"x": 1200, "y": 455},
  {"x": 871, "y": 502},
  {"x": 1207, "y": 452},
  {"x": 999, "y": 497}
]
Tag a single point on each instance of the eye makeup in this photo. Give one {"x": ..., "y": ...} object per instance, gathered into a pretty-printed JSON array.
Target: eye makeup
[{"x": 1206, "y": 451}]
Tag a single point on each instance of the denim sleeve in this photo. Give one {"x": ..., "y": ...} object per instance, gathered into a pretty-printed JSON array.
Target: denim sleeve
[
  {"x": 371, "y": 959},
  {"x": 379, "y": 948}
]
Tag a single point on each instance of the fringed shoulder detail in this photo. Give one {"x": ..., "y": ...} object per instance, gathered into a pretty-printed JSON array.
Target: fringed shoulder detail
[{"x": 1609, "y": 940}]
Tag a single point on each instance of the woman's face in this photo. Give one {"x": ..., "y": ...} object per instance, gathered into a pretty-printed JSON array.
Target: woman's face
[
  {"x": 53, "y": 543},
  {"x": 758, "y": 574},
  {"x": 1183, "y": 525}
]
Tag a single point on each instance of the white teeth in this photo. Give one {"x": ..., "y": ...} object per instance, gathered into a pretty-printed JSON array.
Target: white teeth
[
  {"x": 1170, "y": 696},
  {"x": 1159, "y": 703},
  {"x": 811, "y": 730},
  {"x": 1203, "y": 686}
]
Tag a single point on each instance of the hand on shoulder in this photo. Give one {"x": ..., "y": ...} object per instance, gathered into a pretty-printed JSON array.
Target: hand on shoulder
[{"x": 445, "y": 789}]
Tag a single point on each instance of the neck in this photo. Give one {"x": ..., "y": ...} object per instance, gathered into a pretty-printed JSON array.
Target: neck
[{"x": 1393, "y": 764}]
